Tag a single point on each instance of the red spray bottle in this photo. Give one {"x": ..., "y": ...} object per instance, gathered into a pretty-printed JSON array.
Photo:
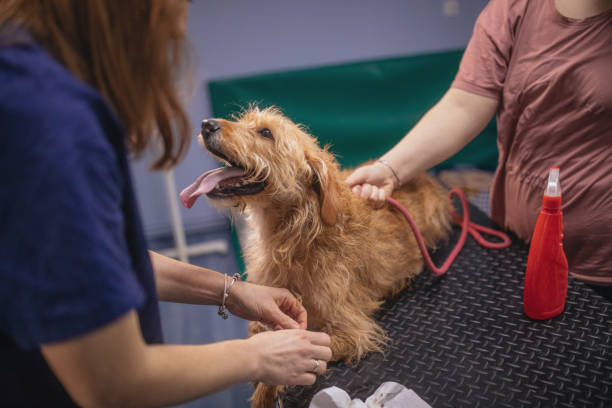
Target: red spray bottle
[{"x": 547, "y": 270}]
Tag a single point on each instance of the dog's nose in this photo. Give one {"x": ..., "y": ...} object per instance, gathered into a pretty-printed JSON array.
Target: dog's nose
[{"x": 209, "y": 126}]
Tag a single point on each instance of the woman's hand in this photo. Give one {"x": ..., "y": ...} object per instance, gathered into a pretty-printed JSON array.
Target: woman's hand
[
  {"x": 275, "y": 307},
  {"x": 290, "y": 357},
  {"x": 373, "y": 182}
]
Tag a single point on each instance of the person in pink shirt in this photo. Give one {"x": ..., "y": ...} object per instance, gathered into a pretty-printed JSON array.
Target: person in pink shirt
[{"x": 545, "y": 68}]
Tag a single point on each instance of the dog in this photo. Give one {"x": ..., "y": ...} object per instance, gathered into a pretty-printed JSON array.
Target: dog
[{"x": 310, "y": 233}]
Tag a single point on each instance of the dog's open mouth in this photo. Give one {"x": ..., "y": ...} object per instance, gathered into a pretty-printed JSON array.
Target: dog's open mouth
[{"x": 223, "y": 182}]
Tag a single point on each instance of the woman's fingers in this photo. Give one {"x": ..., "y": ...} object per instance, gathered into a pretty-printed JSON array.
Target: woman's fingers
[
  {"x": 375, "y": 195},
  {"x": 321, "y": 368},
  {"x": 287, "y": 312},
  {"x": 295, "y": 309},
  {"x": 321, "y": 353},
  {"x": 302, "y": 320},
  {"x": 305, "y": 379},
  {"x": 314, "y": 366},
  {"x": 283, "y": 321},
  {"x": 366, "y": 191},
  {"x": 318, "y": 338},
  {"x": 359, "y": 176},
  {"x": 275, "y": 307}
]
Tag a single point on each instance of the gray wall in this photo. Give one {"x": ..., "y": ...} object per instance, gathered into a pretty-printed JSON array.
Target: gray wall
[{"x": 239, "y": 37}]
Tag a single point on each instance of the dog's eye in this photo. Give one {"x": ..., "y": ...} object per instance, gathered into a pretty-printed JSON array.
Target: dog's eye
[{"x": 265, "y": 132}]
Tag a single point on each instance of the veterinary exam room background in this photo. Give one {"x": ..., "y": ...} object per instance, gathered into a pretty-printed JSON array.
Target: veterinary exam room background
[{"x": 233, "y": 38}]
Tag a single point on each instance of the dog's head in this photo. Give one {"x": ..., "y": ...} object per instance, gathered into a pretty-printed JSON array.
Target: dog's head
[{"x": 269, "y": 159}]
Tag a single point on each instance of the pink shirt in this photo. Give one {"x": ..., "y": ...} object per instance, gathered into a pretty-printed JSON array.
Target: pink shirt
[{"x": 553, "y": 78}]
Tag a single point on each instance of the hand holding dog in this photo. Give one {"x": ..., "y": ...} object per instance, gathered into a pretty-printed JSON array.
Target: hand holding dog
[
  {"x": 275, "y": 307},
  {"x": 373, "y": 182},
  {"x": 290, "y": 357}
]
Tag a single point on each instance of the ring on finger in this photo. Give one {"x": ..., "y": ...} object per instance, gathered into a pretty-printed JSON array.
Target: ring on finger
[{"x": 316, "y": 366}]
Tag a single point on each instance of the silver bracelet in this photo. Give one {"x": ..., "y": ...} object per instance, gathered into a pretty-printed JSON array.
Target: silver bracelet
[
  {"x": 386, "y": 163},
  {"x": 226, "y": 291}
]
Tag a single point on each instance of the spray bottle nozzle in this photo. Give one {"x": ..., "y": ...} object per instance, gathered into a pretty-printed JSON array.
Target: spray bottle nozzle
[{"x": 553, "y": 189}]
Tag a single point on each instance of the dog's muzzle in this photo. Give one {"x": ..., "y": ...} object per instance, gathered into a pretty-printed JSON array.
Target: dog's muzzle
[{"x": 224, "y": 182}]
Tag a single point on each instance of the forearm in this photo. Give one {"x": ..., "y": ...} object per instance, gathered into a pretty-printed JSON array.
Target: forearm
[
  {"x": 113, "y": 366},
  {"x": 451, "y": 124},
  {"x": 175, "y": 374},
  {"x": 184, "y": 283}
]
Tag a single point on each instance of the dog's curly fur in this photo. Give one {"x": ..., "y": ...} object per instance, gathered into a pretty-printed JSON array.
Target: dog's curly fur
[{"x": 309, "y": 233}]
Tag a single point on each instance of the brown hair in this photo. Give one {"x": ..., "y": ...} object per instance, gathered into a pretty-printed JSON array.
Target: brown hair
[{"x": 130, "y": 50}]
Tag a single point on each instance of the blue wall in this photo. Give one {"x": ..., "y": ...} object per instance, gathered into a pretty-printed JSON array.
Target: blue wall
[{"x": 238, "y": 37}]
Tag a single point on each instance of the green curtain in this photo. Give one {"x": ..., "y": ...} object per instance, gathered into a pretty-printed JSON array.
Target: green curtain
[{"x": 361, "y": 109}]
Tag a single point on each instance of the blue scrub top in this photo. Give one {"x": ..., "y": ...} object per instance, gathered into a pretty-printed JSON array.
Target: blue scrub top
[{"x": 73, "y": 256}]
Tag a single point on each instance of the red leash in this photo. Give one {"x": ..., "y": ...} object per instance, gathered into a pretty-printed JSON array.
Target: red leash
[{"x": 466, "y": 226}]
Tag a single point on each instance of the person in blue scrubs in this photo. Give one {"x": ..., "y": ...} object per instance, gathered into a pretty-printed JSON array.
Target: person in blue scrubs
[{"x": 79, "y": 317}]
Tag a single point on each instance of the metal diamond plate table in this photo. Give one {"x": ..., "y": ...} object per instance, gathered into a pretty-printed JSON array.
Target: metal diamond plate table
[{"x": 462, "y": 340}]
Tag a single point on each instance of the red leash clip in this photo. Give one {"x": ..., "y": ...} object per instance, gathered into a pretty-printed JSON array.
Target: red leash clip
[{"x": 466, "y": 227}]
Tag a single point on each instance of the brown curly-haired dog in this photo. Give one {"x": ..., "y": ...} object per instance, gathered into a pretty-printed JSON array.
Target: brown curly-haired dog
[{"x": 310, "y": 233}]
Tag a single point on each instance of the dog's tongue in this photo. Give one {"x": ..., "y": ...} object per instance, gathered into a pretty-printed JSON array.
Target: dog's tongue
[{"x": 206, "y": 183}]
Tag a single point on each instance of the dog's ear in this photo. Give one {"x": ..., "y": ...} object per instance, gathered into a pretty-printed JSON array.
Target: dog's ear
[{"x": 326, "y": 186}]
